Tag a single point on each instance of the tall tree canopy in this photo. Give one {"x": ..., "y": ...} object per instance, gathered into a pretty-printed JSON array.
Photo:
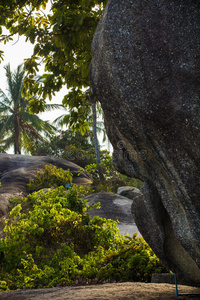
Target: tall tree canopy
[
  {"x": 17, "y": 126},
  {"x": 62, "y": 35}
]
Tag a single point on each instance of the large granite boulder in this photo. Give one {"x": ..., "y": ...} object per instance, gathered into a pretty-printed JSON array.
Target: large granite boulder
[
  {"x": 17, "y": 170},
  {"x": 145, "y": 71}
]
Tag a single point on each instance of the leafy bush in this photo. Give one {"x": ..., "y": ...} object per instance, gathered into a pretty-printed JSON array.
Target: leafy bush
[
  {"x": 50, "y": 240},
  {"x": 50, "y": 177},
  {"x": 134, "y": 261},
  {"x": 47, "y": 235}
]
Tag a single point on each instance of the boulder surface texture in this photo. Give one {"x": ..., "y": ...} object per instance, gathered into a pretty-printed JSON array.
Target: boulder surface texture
[
  {"x": 17, "y": 170},
  {"x": 145, "y": 71}
]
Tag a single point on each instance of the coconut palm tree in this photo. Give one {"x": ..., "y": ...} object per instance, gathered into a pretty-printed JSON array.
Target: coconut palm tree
[{"x": 17, "y": 126}]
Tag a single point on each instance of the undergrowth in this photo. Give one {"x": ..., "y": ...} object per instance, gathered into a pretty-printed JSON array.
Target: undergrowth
[{"x": 50, "y": 240}]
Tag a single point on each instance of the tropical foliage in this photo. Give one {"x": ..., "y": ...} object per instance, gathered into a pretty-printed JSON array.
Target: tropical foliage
[
  {"x": 62, "y": 35},
  {"x": 50, "y": 177},
  {"x": 95, "y": 125},
  {"x": 67, "y": 144},
  {"x": 50, "y": 240},
  {"x": 17, "y": 126},
  {"x": 79, "y": 149},
  {"x": 62, "y": 32}
]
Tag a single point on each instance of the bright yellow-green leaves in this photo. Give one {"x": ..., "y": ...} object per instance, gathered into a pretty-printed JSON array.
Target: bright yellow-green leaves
[
  {"x": 51, "y": 240},
  {"x": 50, "y": 177}
]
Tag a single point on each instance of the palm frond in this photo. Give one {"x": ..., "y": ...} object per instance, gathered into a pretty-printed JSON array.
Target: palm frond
[
  {"x": 6, "y": 126},
  {"x": 15, "y": 84},
  {"x": 4, "y": 97},
  {"x": 7, "y": 143},
  {"x": 49, "y": 107},
  {"x": 48, "y": 129},
  {"x": 5, "y": 103},
  {"x": 18, "y": 83},
  {"x": 59, "y": 122},
  {"x": 37, "y": 123},
  {"x": 9, "y": 77}
]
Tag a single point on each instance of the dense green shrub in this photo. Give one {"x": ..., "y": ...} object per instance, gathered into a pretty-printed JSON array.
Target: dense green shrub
[
  {"x": 50, "y": 177},
  {"x": 134, "y": 261},
  {"x": 51, "y": 240},
  {"x": 47, "y": 236}
]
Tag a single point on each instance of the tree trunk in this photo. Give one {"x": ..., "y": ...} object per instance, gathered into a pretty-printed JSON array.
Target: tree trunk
[
  {"x": 96, "y": 144},
  {"x": 17, "y": 132}
]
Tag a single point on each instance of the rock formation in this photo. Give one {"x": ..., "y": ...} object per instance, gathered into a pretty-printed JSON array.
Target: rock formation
[
  {"x": 145, "y": 71},
  {"x": 16, "y": 170}
]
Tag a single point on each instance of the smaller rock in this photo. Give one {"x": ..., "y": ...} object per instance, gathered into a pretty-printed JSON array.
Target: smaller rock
[
  {"x": 46, "y": 190},
  {"x": 166, "y": 278},
  {"x": 128, "y": 192},
  {"x": 163, "y": 278},
  {"x": 115, "y": 207}
]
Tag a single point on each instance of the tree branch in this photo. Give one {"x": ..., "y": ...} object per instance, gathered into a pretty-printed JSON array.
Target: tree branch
[{"x": 29, "y": 14}]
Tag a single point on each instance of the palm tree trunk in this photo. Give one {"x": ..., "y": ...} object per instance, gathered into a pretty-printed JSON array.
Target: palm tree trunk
[
  {"x": 17, "y": 133},
  {"x": 96, "y": 144}
]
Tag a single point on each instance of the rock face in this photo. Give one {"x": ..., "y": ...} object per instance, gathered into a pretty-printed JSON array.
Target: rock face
[
  {"x": 145, "y": 71},
  {"x": 115, "y": 207},
  {"x": 16, "y": 170}
]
